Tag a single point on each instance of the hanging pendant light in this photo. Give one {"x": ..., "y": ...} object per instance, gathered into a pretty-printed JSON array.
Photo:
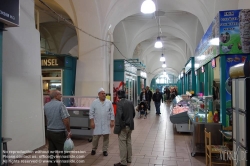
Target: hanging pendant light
[
  {"x": 158, "y": 43},
  {"x": 162, "y": 59},
  {"x": 148, "y": 6},
  {"x": 164, "y": 65},
  {"x": 164, "y": 73}
]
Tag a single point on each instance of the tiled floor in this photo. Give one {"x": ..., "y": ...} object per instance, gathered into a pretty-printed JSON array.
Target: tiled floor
[{"x": 154, "y": 143}]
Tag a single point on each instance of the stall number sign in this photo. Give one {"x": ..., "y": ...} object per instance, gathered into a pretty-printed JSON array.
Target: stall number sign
[
  {"x": 52, "y": 62},
  {"x": 9, "y": 12}
]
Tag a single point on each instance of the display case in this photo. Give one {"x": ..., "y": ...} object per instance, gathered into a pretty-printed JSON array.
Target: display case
[
  {"x": 199, "y": 118},
  {"x": 178, "y": 114}
]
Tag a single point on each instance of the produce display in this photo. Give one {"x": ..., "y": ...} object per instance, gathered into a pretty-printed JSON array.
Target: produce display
[{"x": 178, "y": 109}]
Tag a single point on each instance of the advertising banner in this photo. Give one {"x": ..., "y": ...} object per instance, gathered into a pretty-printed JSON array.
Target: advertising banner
[
  {"x": 208, "y": 46},
  {"x": 232, "y": 60},
  {"x": 235, "y": 31}
]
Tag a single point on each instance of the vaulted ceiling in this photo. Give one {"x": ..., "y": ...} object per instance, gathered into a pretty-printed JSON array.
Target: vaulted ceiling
[{"x": 179, "y": 23}]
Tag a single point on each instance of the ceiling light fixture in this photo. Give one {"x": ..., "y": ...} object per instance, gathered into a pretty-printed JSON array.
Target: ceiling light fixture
[
  {"x": 162, "y": 59},
  {"x": 148, "y": 6},
  {"x": 164, "y": 65},
  {"x": 158, "y": 43},
  {"x": 164, "y": 73}
]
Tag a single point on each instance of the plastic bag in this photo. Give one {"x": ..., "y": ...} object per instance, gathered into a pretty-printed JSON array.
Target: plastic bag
[{"x": 68, "y": 145}]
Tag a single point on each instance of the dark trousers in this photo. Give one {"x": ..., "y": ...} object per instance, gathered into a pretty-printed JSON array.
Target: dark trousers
[
  {"x": 149, "y": 104},
  {"x": 157, "y": 107},
  {"x": 56, "y": 143}
]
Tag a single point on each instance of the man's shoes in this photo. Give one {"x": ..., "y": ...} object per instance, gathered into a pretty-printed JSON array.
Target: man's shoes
[
  {"x": 93, "y": 152},
  {"x": 119, "y": 164},
  {"x": 105, "y": 153}
]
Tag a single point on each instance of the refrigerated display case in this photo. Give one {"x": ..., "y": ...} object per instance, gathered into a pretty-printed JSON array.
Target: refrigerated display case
[
  {"x": 198, "y": 118},
  {"x": 52, "y": 80},
  {"x": 178, "y": 114}
]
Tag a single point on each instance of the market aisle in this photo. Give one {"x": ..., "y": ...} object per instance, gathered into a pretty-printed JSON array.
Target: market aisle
[{"x": 155, "y": 142}]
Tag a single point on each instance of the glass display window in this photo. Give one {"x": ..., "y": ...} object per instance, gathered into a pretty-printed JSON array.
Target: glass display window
[{"x": 52, "y": 80}]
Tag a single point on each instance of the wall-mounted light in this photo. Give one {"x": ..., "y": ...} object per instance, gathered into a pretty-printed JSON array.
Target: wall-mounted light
[
  {"x": 201, "y": 57},
  {"x": 55, "y": 84},
  {"x": 164, "y": 65},
  {"x": 196, "y": 65},
  {"x": 214, "y": 42},
  {"x": 158, "y": 43},
  {"x": 162, "y": 59},
  {"x": 148, "y": 6}
]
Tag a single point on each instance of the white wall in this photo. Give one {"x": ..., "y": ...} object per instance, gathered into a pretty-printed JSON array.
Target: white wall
[
  {"x": 244, "y": 4},
  {"x": 22, "y": 93}
]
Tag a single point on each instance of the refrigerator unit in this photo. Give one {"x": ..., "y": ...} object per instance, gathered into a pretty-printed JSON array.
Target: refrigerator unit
[{"x": 241, "y": 120}]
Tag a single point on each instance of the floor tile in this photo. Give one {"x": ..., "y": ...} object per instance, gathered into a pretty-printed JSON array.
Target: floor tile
[{"x": 154, "y": 141}]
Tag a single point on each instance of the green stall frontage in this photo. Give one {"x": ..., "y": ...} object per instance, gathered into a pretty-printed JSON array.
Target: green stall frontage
[
  {"x": 125, "y": 78},
  {"x": 222, "y": 46},
  {"x": 59, "y": 72}
]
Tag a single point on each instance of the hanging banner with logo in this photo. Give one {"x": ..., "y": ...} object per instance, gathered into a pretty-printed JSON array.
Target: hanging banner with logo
[
  {"x": 235, "y": 31},
  {"x": 9, "y": 12},
  {"x": 231, "y": 60}
]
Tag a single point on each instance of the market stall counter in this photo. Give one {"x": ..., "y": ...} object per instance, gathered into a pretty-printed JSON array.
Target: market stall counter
[
  {"x": 79, "y": 121},
  {"x": 179, "y": 116},
  {"x": 198, "y": 118}
]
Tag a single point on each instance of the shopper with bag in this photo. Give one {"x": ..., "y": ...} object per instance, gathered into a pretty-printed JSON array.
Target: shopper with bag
[
  {"x": 101, "y": 117},
  {"x": 124, "y": 124},
  {"x": 58, "y": 128}
]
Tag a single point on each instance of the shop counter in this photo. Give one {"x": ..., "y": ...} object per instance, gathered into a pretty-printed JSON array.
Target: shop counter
[
  {"x": 198, "y": 140},
  {"x": 178, "y": 114},
  {"x": 80, "y": 122}
]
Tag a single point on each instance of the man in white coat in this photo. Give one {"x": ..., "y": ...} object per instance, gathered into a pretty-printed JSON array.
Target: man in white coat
[{"x": 101, "y": 117}]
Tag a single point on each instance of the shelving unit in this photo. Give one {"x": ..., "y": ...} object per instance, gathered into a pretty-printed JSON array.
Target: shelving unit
[{"x": 241, "y": 120}]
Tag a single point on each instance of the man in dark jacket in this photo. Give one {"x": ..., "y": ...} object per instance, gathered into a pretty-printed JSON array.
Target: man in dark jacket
[
  {"x": 124, "y": 124},
  {"x": 150, "y": 95},
  {"x": 157, "y": 98}
]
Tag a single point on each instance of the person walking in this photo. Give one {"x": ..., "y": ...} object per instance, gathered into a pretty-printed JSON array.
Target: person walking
[
  {"x": 101, "y": 117},
  {"x": 124, "y": 124},
  {"x": 143, "y": 95},
  {"x": 167, "y": 92},
  {"x": 58, "y": 128},
  {"x": 150, "y": 95},
  {"x": 157, "y": 98}
]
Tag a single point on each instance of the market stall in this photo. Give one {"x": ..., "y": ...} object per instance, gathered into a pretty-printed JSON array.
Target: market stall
[
  {"x": 179, "y": 116},
  {"x": 201, "y": 117}
]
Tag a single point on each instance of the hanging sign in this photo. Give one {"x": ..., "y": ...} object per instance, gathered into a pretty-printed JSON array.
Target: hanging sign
[
  {"x": 9, "y": 12},
  {"x": 52, "y": 61}
]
